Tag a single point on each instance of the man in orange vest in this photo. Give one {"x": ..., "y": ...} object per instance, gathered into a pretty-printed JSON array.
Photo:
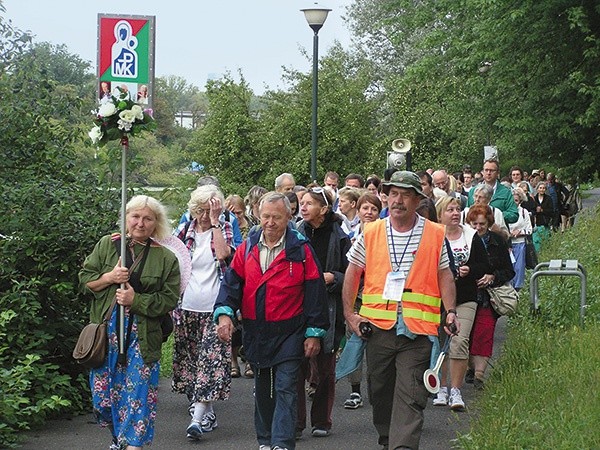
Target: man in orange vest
[{"x": 406, "y": 277}]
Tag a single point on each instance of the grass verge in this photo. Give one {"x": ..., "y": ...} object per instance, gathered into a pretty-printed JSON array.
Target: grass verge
[{"x": 543, "y": 392}]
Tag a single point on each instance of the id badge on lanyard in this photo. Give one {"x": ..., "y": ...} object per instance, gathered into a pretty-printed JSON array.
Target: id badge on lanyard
[{"x": 394, "y": 286}]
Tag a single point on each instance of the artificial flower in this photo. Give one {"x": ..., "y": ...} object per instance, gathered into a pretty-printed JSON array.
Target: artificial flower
[
  {"x": 138, "y": 112},
  {"x": 128, "y": 116},
  {"x": 107, "y": 109},
  {"x": 124, "y": 125},
  {"x": 118, "y": 119},
  {"x": 95, "y": 134}
]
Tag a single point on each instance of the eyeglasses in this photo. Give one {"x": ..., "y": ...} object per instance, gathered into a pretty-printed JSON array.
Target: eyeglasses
[
  {"x": 200, "y": 212},
  {"x": 320, "y": 190}
]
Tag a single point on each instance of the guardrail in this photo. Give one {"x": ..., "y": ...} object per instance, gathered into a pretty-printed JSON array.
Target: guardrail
[{"x": 559, "y": 268}]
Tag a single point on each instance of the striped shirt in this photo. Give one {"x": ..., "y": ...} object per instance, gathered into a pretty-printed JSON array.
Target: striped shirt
[{"x": 402, "y": 247}]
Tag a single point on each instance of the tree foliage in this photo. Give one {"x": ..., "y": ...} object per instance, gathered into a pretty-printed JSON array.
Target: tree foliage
[{"x": 538, "y": 102}]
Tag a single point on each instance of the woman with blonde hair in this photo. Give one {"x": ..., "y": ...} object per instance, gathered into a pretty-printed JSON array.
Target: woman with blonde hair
[
  {"x": 470, "y": 260},
  {"x": 124, "y": 390}
]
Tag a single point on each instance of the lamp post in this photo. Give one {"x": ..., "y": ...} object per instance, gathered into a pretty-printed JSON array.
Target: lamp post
[
  {"x": 484, "y": 70},
  {"x": 489, "y": 151},
  {"x": 315, "y": 17}
]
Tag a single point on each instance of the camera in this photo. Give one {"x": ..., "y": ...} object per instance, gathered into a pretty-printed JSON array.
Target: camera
[{"x": 365, "y": 329}]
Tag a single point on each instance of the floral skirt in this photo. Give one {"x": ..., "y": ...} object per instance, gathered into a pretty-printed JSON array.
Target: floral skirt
[
  {"x": 201, "y": 362},
  {"x": 125, "y": 396}
]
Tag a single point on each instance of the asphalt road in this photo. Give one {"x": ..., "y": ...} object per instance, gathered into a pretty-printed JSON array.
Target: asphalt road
[{"x": 352, "y": 429}]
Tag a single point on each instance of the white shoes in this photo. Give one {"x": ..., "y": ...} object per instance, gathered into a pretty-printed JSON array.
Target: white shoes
[
  {"x": 441, "y": 398},
  {"x": 456, "y": 402}
]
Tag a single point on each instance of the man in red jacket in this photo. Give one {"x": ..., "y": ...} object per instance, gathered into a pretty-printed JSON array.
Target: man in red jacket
[{"x": 276, "y": 282}]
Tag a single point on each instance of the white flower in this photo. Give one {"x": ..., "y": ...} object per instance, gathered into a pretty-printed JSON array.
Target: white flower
[
  {"x": 138, "y": 111},
  {"x": 107, "y": 109},
  {"x": 95, "y": 134},
  {"x": 127, "y": 115},
  {"x": 124, "y": 125}
]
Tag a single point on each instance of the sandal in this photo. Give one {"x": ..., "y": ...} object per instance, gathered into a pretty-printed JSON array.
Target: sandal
[
  {"x": 248, "y": 372},
  {"x": 235, "y": 372}
]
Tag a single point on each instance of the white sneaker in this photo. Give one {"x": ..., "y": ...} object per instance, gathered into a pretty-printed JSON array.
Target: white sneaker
[
  {"x": 456, "y": 401},
  {"x": 441, "y": 398},
  {"x": 264, "y": 447}
]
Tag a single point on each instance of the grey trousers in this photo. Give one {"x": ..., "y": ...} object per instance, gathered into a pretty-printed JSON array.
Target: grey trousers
[{"x": 395, "y": 367}]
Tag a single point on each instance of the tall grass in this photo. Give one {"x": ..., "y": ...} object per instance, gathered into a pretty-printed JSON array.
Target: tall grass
[{"x": 544, "y": 391}]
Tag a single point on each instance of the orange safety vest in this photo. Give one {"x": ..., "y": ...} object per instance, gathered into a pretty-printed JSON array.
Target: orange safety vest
[{"x": 421, "y": 298}]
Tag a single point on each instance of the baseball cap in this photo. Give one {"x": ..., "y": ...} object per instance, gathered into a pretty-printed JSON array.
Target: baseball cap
[{"x": 403, "y": 179}]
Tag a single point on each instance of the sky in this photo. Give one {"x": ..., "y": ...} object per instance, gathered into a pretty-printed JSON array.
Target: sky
[{"x": 196, "y": 39}]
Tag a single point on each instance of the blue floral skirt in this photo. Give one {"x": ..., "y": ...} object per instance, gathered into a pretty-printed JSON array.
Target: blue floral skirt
[{"x": 125, "y": 396}]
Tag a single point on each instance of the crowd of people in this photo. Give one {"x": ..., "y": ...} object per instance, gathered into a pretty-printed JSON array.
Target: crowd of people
[{"x": 283, "y": 277}]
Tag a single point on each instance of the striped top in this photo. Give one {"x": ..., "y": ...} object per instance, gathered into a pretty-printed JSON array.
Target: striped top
[{"x": 402, "y": 247}]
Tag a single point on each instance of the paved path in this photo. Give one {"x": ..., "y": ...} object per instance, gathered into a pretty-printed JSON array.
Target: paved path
[{"x": 352, "y": 429}]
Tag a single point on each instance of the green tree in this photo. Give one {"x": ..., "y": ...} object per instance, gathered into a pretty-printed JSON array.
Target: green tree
[
  {"x": 349, "y": 136},
  {"x": 539, "y": 101},
  {"x": 225, "y": 145}
]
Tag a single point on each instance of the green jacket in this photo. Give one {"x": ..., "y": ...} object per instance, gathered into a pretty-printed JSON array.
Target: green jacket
[
  {"x": 160, "y": 280},
  {"x": 503, "y": 200}
]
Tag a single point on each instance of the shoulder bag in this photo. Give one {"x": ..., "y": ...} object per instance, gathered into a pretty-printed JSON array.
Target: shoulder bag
[
  {"x": 91, "y": 348},
  {"x": 504, "y": 299},
  {"x": 531, "y": 257}
]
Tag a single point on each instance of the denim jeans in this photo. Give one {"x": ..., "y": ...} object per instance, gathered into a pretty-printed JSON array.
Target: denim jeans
[{"x": 275, "y": 404}]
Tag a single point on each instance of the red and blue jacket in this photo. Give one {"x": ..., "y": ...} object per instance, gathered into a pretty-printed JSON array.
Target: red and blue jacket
[{"x": 280, "y": 307}]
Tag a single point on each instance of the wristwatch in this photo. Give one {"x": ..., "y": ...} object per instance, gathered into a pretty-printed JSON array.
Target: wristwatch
[
  {"x": 453, "y": 311},
  {"x": 219, "y": 226}
]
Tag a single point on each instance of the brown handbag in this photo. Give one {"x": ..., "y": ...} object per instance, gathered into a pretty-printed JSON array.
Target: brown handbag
[{"x": 92, "y": 345}]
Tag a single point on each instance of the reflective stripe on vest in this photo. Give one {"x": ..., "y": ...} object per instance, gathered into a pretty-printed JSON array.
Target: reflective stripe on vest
[{"x": 421, "y": 297}]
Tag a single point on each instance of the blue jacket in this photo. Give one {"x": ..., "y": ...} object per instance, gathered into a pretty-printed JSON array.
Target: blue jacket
[{"x": 280, "y": 307}]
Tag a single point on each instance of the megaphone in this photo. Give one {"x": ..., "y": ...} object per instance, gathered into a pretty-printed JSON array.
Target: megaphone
[
  {"x": 397, "y": 157},
  {"x": 401, "y": 145}
]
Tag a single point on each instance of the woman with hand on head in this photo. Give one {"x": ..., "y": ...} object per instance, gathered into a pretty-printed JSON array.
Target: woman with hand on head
[
  {"x": 124, "y": 392},
  {"x": 202, "y": 362}
]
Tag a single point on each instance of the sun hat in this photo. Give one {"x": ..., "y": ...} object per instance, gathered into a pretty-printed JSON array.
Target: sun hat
[{"x": 403, "y": 179}]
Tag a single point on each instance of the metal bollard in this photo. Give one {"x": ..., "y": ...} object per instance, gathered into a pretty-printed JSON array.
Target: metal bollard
[{"x": 560, "y": 268}]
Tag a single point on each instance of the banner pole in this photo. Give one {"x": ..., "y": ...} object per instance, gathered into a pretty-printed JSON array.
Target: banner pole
[{"x": 121, "y": 324}]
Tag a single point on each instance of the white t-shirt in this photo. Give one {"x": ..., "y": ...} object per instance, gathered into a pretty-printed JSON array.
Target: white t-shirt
[
  {"x": 460, "y": 250},
  {"x": 201, "y": 292}
]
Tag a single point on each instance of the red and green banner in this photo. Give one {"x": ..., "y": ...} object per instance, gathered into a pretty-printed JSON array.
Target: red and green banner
[{"x": 126, "y": 56}]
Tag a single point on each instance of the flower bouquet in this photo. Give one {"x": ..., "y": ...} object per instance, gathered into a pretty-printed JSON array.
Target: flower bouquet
[{"x": 119, "y": 118}]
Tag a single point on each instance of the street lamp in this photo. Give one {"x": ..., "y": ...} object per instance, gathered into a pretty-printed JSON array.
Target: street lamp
[
  {"x": 315, "y": 17},
  {"x": 484, "y": 71}
]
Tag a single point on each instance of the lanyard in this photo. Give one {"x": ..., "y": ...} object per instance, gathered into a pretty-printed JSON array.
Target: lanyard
[{"x": 405, "y": 247}]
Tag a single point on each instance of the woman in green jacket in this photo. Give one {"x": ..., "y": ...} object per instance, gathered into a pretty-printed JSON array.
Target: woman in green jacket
[{"x": 124, "y": 392}]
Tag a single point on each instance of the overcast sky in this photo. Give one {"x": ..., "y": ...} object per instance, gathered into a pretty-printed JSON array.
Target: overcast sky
[{"x": 195, "y": 39}]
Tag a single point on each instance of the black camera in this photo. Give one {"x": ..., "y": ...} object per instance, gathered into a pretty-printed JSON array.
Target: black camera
[{"x": 365, "y": 329}]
